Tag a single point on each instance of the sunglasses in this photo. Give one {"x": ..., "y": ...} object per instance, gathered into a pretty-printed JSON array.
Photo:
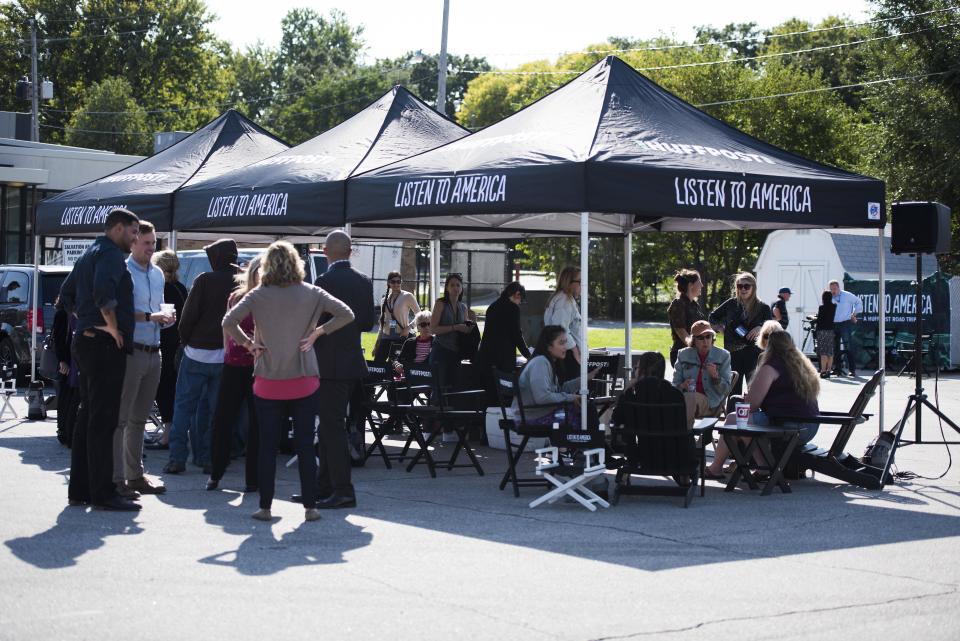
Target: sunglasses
[{"x": 744, "y": 286}]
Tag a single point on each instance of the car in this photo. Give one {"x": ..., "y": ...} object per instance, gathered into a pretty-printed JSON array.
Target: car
[
  {"x": 16, "y": 310},
  {"x": 194, "y": 262}
]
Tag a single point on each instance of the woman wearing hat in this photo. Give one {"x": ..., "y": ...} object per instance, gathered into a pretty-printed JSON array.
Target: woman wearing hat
[{"x": 703, "y": 373}]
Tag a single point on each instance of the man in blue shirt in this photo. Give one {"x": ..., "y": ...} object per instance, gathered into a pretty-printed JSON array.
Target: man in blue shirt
[
  {"x": 143, "y": 367},
  {"x": 99, "y": 292},
  {"x": 848, "y": 306}
]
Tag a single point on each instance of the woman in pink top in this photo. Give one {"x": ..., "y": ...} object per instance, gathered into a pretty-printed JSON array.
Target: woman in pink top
[
  {"x": 236, "y": 390},
  {"x": 286, "y": 312}
]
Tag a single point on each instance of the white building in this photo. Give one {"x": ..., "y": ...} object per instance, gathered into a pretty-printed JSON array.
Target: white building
[
  {"x": 31, "y": 171},
  {"x": 805, "y": 260}
]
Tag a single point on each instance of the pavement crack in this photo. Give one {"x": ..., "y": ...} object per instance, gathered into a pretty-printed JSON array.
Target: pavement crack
[{"x": 760, "y": 617}]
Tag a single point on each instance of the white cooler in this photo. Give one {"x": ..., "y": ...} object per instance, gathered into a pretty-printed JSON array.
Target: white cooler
[{"x": 495, "y": 434}]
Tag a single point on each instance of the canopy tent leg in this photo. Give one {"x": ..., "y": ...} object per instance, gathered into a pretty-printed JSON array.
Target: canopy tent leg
[
  {"x": 627, "y": 305},
  {"x": 584, "y": 298},
  {"x": 434, "y": 271},
  {"x": 33, "y": 296},
  {"x": 882, "y": 323},
  {"x": 349, "y": 229},
  {"x": 172, "y": 241}
]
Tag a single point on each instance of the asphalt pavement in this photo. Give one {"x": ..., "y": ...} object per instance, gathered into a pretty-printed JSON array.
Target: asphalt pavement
[{"x": 455, "y": 558}]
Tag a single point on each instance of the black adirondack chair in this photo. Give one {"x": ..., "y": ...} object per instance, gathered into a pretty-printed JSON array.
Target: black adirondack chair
[
  {"x": 650, "y": 436},
  {"x": 835, "y": 462}
]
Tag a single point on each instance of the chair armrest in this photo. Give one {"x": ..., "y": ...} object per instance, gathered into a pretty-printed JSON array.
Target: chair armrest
[
  {"x": 829, "y": 419},
  {"x": 469, "y": 392}
]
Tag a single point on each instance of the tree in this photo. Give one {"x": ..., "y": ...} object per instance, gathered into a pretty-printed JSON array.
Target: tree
[
  {"x": 420, "y": 77},
  {"x": 253, "y": 81},
  {"x": 313, "y": 45},
  {"x": 164, "y": 49},
  {"x": 914, "y": 145},
  {"x": 129, "y": 124}
]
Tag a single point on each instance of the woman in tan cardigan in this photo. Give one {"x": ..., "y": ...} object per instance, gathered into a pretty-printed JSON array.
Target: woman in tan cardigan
[{"x": 285, "y": 313}]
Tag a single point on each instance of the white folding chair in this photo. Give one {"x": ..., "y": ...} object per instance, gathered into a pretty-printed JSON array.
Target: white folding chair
[
  {"x": 8, "y": 387},
  {"x": 548, "y": 458}
]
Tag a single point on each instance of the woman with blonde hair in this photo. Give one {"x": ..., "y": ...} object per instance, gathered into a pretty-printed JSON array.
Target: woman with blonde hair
[
  {"x": 236, "y": 389},
  {"x": 173, "y": 292},
  {"x": 741, "y": 317},
  {"x": 786, "y": 384},
  {"x": 564, "y": 311},
  {"x": 286, "y": 312},
  {"x": 766, "y": 329}
]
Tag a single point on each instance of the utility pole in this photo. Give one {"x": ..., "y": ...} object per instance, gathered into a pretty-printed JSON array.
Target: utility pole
[
  {"x": 442, "y": 73},
  {"x": 442, "y": 108},
  {"x": 35, "y": 94}
]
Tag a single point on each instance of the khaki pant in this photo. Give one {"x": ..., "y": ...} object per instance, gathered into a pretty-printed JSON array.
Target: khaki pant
[
  {"x": 139, "y": 389},
  {"x": 697, "y": 406}
]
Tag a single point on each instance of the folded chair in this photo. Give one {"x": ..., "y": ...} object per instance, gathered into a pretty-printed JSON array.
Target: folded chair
[
  {"x": 508, "y": 387},
  {"x": 568, "y": 480},
  {"x": 834, "y": 461},
  {"x": 653, "y": 440}
]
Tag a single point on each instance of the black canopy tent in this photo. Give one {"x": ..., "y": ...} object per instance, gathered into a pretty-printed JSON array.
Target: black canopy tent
[
  {"x": 610, "y": 152},
  {"x": 147, "y": 187},
  {"x": 615, "y": 144},
  {"x": 302, "y": 191}
]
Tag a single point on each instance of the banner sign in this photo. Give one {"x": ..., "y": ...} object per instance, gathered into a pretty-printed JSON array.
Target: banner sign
[{"x": 901, "y": 306}]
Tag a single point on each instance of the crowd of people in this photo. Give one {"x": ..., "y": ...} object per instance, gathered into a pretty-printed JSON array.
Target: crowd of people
[
  {"x": 260, "y": 341},
  {"x": 128, "y": 334}
]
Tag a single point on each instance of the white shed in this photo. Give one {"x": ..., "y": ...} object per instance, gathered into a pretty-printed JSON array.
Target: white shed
[{"x": 805, "y": 260}]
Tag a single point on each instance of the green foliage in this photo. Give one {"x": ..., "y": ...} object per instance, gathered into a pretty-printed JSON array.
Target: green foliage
[
  {"x": 164, "y": 50},
  {"x": 129, "y": 131},
  {"x": 420, "y": 76}
]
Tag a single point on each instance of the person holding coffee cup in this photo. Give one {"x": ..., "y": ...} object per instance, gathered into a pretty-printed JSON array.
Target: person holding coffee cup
[
  {"x": 703, "y": 373},
  {"x": 786, "y": 384}
]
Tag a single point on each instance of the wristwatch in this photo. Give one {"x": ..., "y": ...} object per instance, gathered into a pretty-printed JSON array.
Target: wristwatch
[{"x": 146, "y": 317}]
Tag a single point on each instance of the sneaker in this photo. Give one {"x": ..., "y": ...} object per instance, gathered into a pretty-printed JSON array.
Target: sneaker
[
  {"x": 144, "y": 486},
  {"x": 262, "y": 515},
  {"x": 175, "y": 467}
]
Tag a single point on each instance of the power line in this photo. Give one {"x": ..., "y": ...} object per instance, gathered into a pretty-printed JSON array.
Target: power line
[
  {"x": 822, "y": 89},
  {"x": 706, "y": 63},
  {"x": 765, "y": 37}
]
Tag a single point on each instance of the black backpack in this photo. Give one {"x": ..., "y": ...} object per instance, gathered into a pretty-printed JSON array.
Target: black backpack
[{"x": 879, "y": 450}]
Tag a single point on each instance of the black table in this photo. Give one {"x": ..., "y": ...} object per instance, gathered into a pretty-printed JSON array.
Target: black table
[{"x": 761, "y": 439}]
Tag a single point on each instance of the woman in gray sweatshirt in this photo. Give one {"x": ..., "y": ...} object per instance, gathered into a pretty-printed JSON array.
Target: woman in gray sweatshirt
[
  {"x": 540, "y": 382},
  {"x": 285, "y": 383}
]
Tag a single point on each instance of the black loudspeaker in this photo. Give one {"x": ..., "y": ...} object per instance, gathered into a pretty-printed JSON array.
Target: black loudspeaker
[{"x": 920, "y": 228}]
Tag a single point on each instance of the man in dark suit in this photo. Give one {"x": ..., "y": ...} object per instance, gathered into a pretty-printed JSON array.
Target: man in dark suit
[
  {"x": 342, "y": 366},
  {"x": 502, "y": 337}
]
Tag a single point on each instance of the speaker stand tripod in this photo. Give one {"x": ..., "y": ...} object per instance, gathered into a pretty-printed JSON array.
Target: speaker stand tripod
[{"x": 918, "y": 400}]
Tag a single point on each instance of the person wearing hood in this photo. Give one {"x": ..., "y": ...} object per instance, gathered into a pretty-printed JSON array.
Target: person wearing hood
[{"x": 198, "y": 379}]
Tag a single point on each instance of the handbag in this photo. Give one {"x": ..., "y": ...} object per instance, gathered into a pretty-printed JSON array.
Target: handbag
[
  {"x": 49, "y": 366},
  {"x": 469, "y": 343}
]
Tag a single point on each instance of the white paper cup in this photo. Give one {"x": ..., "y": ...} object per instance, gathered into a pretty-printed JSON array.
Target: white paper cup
[
  {"x": 168, "y": 308},
  {"x": 743, "y": 414}
]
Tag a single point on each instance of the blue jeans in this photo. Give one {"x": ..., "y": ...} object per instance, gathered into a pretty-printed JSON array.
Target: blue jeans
[
  {"x": 844, "y": 332},
  {"x": 806, "y": 430},
  {"x": 197, "y": 387}
]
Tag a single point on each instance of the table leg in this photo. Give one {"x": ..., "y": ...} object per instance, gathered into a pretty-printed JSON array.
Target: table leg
[
  {"x": 776, "y": 465},
  {"x": 742, "y": 459}
]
